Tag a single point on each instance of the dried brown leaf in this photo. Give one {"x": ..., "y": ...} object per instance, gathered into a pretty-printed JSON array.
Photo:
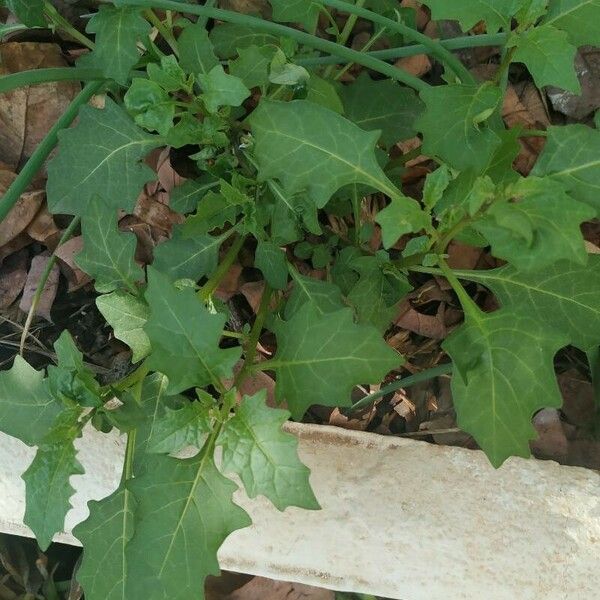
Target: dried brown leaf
[
  {"x": 13, "y": 274},
  {"x": 66, "y": 260},
  {"x": 38, "y": 265},
  {"x": 261, "y": 588}
]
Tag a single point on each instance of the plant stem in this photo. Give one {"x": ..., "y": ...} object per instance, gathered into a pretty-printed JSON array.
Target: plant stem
[
  {"x": 365, "y": 48},
  {"x": 206, "y": 291},
  {"x": 436, "y": 49},
  {"x": 129, "y": 456},
  {"x": 468, "y": 41},
  {"x": 533, "y": 133},
  {"x": 469, "y": 307},
  {"x": 255, "y": 332},
  {"x": 61, "y": 23},
  {"x": 276, "y": 29},
  {"x": 39, "y": 76},
  {"x": 403, "y": 383},
  {"x": 356, "y": 207},
  {"x": 42, "y": 282},
  {"x": 350, "y": 23},
  {"x": 19, "y": 185},
  {"x": 164, "y": 31},
  {"x": 203, "y": 19}
]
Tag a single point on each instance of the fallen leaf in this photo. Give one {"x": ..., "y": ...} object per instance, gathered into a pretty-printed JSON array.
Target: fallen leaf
[
  {"x": 421, "y": 15},
  {"x": 417, "y": 65},
  {"x": 551, "y": 442},
  {"x": 253, "y": 291},
  {"x": 430, "y": 326},
  {"x": 26, "y": 114},
  {"x": 38, "y": 265},
  {"x": 230, "y": 284},
  {"x": 43, "y": 229},
  {"x": 261, "y": 588},
  {"x": 13, "y": 274},
  {"x": 14, "y": 245},
  {"x": 66, "y": 259},
  {"x": 463, "y": 256},
  {"x": 578, "y": 398},
  {"x": 155, "y": 213},
  {"x": 21, "y": 213}
]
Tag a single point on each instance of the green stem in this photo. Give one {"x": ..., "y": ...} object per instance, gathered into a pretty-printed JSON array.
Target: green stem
[
  {"x": 469, "y": 307},
  {"x": 468, "y": 41},
  {"x": 533, "y": 133},
  {"x": 19, "y": 185},
  {"x": 39, "y": 76},
  {"x": 276, "y": 29},
  {"x": 129, "y": 456},
  {"x": 164, "y": 31},
  {"x": 61, "y": 23},
  {"x": 203, "y": 19},
  {"x": 69, "y": 231},
  {"x": 436, "y": 49},
  {"x": 350, "y": 23},
  {"x": 403, "y": 383},
  {"x": 257, "y": 327},
  {"x": 356, "y": 207},
  {"x": 365, "y": 48},
  {"x": 207, "y": 290}
]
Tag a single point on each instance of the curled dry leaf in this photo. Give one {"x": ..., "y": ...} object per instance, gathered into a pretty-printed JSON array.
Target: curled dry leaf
[
  {"x": 38, "y": 265},
  {"x": 66, "y": 260},
  {"x": 26, "y": 114},
  {"x": 13, "y": 274},
  {"x": 22, "y": 212},
  {"x": 156, "y": 214},
  {"x": 43, "y": 229},
  {"x": 430, "y": 326},
  {"x": 21, "y": 241},
  {"x": 261, "y": 588}
]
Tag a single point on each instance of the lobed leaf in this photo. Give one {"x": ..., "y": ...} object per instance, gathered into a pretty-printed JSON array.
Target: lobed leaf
[{"x": 579, "y": 18}]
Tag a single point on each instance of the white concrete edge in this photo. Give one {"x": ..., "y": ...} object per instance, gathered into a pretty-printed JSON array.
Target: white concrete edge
[{"x": 401, "y": 519}]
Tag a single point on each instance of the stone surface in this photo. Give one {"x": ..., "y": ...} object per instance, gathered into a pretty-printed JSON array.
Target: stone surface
[{"x": 401, "y": 519}]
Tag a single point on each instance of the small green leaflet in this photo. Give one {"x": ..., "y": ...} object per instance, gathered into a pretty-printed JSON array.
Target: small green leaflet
[
  {"x": 175, "y": 429},
  {"x": 579, "y": 18},
  {"x": 297, "y": 11},
  {"x": 402, "y": 215},
  {"x": 454, "y": 127},
  {"x": 221, "y": 89},
  {"x": 495, "y": 13},
  {"x": 504, "y": 373},
  {"x": 265, "y": 457},
  {"x": 103, "y": 573},
  {"x": 541, "y": 228},
  {"x": 127, "y": 315},
  {"x": 188, "y": 257},
  {"x": 252, "y": 65},
  {"x": 185, "y": 197},
  {"x": 571, "y": 156},
  {"x": 549, "y": 57},
  {"x": 324, "y": 92},
  {"x": 118, "y": 31},
  {"x": 309, "y": 147},
  {"x": 101, "y": 155},
  {"x": 196, "y": 54},
  {"x": 321, "y": 357},
  {"x": 150, "y": 105},
  {"x": 48, "y": 489},
  {"x": 382, "y": 106},
  {"x": 108, "y": 254},
  {"x": 185, "y": 512},
  {"x": 27, "y": 410},
  {"x": 270, "y": 259},
  {"x": 185, "y": 337},
  {"x": 324, "y": 296},
  {"x": 29, "y": 12},
  {"x": 228, "y": 38},
  {"x": 563, "y": 297}
]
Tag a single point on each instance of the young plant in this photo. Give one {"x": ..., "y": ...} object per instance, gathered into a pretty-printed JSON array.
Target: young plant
[{"x": 278, "y": 144}]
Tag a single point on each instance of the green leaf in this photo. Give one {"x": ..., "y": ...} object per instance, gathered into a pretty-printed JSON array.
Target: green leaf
[
  {"x": 228, "y": 38},
  {"x": 185, "y": 197},
  {"x": 184, "y": 257},
  {"x": 127, "y": 315},
  {"x": 196, "y": 53},
  {"x": 118, "y": 31},
  {"x": 169, "y": 75},
  {"x": 108, "y": 254},
  {"x": 29, "y": 12},
  {"x": 402, "y": 215},
  {"x": 435, "y": 185},
  {"x": 185, "y": 337},
  {"x": 283, "y": 72},
  {"x": 27, "y": 409},
  {"x": 571, "y": 156},
  {"x": 321, "y": 357},
  {"x": 185, "y": 512},
  {"x": 382, "y": 106},
  {"x": 264, "y": 456},
  {"x": 324, "y": 296},
  {"x": 221, "y": 89},
  {"x": 563, "y": 297},
  {"x": 270, "y": 259},
  {"x": 178, "y": 428},
  {"x": 48, "y": 489},
  {"x": 150, "y": 105},
  {"x": 323, "y": 92},
  {"x": 297, "y": 11},
  {"x": 103, "y": 573},
  {"x": 548, "y": 56},
  {"x": 579, "y": 18},
  {"x": 495, "y": 13},
  {"x": 252, "y": 65},
  {"x": 504, "y": 373},
  {"x": 453, "y": 125},
  {"x": 101, "y": 155},
  {"x": 309, "y": 147},
  {"x": 541, "y": 228}
]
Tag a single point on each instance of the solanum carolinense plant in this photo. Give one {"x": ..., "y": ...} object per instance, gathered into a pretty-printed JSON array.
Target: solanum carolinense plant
[{"x": 278, "y": 143}]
